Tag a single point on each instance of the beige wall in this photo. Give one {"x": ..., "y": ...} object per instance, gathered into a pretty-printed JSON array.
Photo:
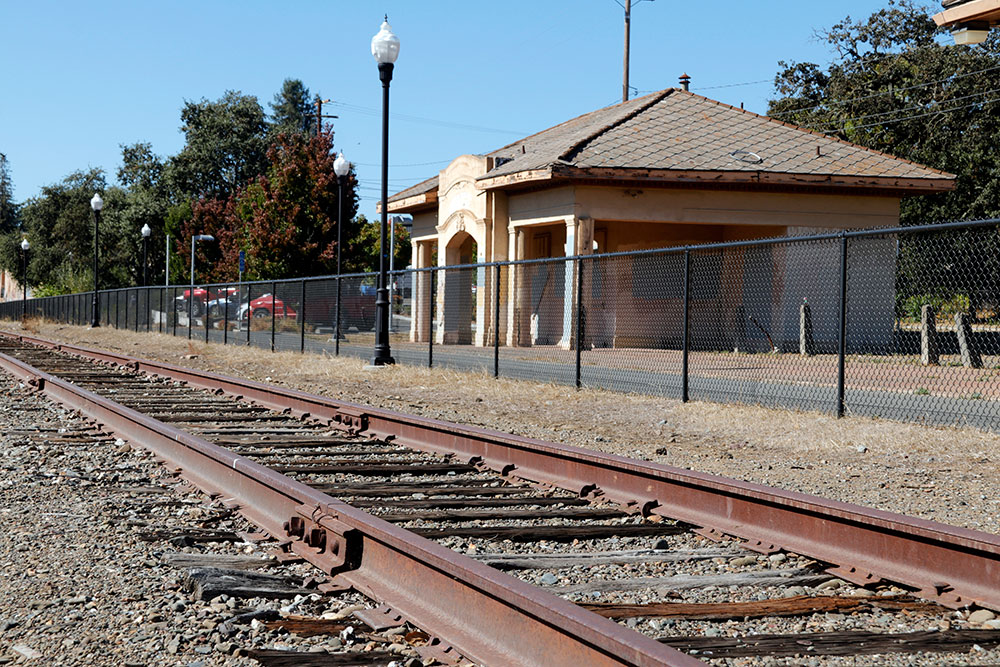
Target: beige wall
[{"x": 568, "y": 219}]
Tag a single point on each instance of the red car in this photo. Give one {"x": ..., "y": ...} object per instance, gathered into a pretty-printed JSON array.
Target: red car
[{"x": 262, "y": 306}]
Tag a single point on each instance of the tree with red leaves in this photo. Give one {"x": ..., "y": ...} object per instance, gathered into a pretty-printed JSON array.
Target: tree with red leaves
[{"x": 285, "y": 220}]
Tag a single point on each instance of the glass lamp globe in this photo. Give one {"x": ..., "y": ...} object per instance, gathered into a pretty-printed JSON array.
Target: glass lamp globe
[
  {"x": 385, "y": 45},
  {"x": 96, "y": 202},
  {"x": 341, "y": 166},
  {"x": 25, "y": 245},
  {"x": 146, "y": 231}
]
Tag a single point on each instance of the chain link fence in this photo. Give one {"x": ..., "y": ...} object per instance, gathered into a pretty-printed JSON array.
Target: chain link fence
[{"x": 897, "y": 323}]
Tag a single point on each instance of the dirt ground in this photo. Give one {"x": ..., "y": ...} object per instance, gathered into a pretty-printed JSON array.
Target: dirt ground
[{"x": 938, "y": 473}]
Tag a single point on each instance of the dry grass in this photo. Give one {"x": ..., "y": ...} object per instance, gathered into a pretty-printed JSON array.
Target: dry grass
[{"x": 855, "y": 459}]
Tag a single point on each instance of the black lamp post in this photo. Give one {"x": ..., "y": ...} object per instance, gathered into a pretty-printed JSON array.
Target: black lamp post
[
  {"x": 97, "y": 204},
  {"x": 385, "y": 48},
  {"x": 146, "y": 231},
  {"x": 341, "y": 167},
  {"x": 24, "y": 277}
]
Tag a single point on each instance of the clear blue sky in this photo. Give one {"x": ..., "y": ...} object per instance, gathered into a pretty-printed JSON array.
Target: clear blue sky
[{"x": 80, "y": 79}]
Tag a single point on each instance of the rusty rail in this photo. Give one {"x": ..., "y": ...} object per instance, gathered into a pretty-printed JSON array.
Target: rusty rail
[
  {"x": 485, "y": 615},
  {"x": 953, "y": 566}
]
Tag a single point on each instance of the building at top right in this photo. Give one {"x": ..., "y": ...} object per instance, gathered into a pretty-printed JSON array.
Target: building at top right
[{"x": 969, "y": 20}]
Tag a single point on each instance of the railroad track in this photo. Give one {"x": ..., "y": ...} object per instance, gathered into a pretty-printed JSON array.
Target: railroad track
[{"x": 423, "y": 517}]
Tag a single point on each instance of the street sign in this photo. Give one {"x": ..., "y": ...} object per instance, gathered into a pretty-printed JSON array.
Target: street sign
[{"x": 243, "y": 261}]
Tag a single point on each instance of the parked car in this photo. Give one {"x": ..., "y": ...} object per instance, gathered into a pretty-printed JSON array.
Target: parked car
[
  {"x": 225, "y": 303},
  {"x": 263, "y": 306},
  {"x": 357, "y": 309},
  {"x": 197, "y": 306}
]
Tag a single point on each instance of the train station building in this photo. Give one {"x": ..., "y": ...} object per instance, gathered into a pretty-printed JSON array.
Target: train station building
[{"x": 668, "y": 169}]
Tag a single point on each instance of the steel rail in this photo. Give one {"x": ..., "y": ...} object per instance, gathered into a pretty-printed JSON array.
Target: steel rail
[
  {"x": 953, "y": 566},
  {"x": 485, "y": 615}
]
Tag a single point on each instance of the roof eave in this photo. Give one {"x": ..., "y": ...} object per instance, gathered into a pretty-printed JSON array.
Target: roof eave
[
  {"x": 412, "y": 204},
  {"x": 561, "y": 174},
  {"x": 977, "y": 10},
  {"x": 515, "y": 179}
]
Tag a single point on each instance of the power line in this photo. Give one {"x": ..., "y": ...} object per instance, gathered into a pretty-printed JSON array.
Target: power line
[
  {"x": 909, "y": 108},
  {"x": 369, "y": 111},
  {"x": 737, "y": 85},
  {"x": 891, "y": 91},
  {"x": 411, "y": 164},
  {"x": 921, "y": 115}
]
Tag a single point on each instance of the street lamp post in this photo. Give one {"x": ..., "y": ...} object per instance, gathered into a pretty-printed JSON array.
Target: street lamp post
[
  {"x": 341, "y": 167},
  {"x": 385, "y": 48},
  {"x": 96, "y": 203},
  {"x": 196, "y": 237},
  {"x": 24, "y": 277},
  {"x": 146, "y": 231}
]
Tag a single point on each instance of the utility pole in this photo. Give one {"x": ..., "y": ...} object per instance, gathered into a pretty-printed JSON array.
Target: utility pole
[
  {"x": 319, "y": 114},
  {"x": 628, "y": 30},
  {"x": 628, "y": 24}
]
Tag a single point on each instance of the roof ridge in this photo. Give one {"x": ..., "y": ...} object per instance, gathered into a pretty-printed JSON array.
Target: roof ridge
[
  {"x": 565, "y": 122},
  {"x": 575, "y": 147},
  {"x": 818, "y": 134}
]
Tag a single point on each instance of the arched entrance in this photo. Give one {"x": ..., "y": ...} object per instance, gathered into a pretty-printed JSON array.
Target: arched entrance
[{"x": 459, "y": 291}]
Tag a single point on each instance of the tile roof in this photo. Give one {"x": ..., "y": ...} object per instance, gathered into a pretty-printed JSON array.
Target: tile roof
[{"x": 678, "y": 131}]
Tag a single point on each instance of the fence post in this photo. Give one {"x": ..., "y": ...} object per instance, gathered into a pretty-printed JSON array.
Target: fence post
[
  {"x": 302, "y": 319},
  {"x": 686, "y": 324},
  {"x": 249, "y": 314},
  {"x": 225, "y": 318},
  {"x": 807, "y": 346},
  {"x": 208, "y": 319},
  {"x": 173, "y": 309},
  {"x": 842, "y": 332},
  {"x": 433, "y": 308},
  {"x": 274, "y": 309},
  {"x": 579, "y": 321},
  {"x": 966, "y": 344},
  {"x": 928, "y": 336},
  {"x": 496, "y": 323},
  {"x": 118, "y": 303}
]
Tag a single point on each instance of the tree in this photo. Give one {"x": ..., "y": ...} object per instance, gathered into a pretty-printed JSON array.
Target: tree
[
  {"x": 285, "y": 220},
  {"x": 225, "y": 146},
  {"x": 59, "y": 225},
  {"x": 362, "y": 248},
  {"x": 292, "y": 111},
  {"x": 147, "y": 202},
  {"x": 8, "y": 208},
  {"x": 895, "y": 86}
]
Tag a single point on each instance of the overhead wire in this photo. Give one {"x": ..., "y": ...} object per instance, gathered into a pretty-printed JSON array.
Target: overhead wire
[
  {"x": 909, "y": 108},
  {"x": 369, "y": 111},
  {"x": 891, "y": 91},
  {"x": 919, "y": 115}
]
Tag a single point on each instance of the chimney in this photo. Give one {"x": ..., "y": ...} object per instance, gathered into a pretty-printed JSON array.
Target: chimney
[{"x": 685, "y": 82}]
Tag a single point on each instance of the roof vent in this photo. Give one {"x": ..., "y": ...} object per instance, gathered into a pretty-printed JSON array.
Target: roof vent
[
  {"x": 685, "y": 81},
  {"x": 746, "y": 156},
  {"x": 501, "y": 161}
]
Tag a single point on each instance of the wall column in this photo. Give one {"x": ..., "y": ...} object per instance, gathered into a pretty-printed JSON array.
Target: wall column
[
  {"x": 519, "y": 303},
  {"x": 579, "y": 241},
  {"x": 422, "y": 308}
]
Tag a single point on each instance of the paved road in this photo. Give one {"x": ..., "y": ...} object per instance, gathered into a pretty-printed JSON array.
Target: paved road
[{"x": 740, "y": 388}]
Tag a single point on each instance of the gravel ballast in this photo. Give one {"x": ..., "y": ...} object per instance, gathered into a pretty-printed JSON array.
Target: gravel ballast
[{"x": 942, "y": 484}]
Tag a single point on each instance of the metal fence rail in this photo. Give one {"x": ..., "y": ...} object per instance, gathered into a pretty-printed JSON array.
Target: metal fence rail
[{"x": 901, "y": 323}]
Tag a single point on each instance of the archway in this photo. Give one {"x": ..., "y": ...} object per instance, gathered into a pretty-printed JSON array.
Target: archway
[{"x": 459, "y": 290}]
